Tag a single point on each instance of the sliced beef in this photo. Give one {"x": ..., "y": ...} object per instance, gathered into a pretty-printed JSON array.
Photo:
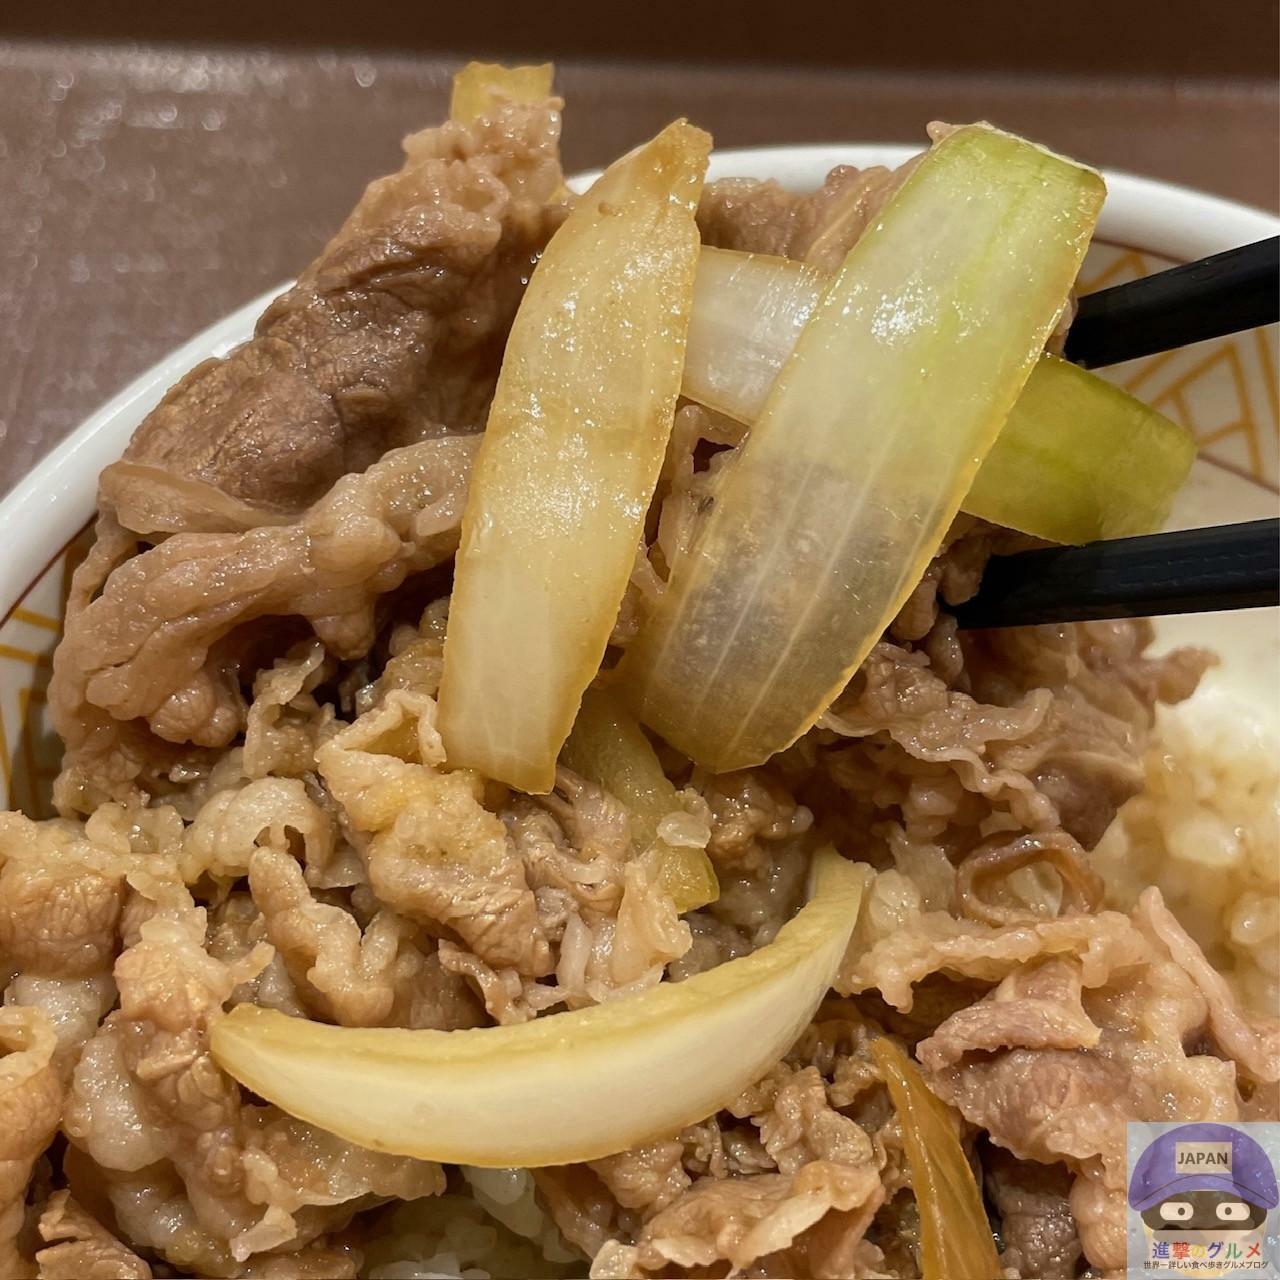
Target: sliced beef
[
  {"x": 393, "y": 334},
  {"x": 369, "y": 372},
  {"x": 1036, "y": 1225}
]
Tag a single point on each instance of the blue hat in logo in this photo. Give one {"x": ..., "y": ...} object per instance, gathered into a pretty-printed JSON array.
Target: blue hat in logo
[{"x": 1203, "y": 1157}]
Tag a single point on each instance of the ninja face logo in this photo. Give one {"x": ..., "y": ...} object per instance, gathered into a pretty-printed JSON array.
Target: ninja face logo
[
  {"x": 1203, "y": 1192},
  {"x": 1204, "y": 1211}
]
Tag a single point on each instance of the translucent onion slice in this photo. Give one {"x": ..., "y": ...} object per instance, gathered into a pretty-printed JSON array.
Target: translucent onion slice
[
  {"x": 955, "y": 1236},
  {"x": 567, "y": 1087},
  {"x": 478, "y": 84},
  {"x": 748, "y": 312},
  {"x": 1077, "y": 459},
  {"x": 609, "y": 747},
  {"x": 870, "y": 438},
  {"x": 574, "y": 443}
]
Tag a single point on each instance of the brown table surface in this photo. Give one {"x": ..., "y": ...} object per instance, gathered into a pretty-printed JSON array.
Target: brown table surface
[{"x": 143, "y": 194}]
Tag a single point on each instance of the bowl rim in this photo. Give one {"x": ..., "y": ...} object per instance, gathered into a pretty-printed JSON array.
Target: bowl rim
[{"x": 49, "y": 506}]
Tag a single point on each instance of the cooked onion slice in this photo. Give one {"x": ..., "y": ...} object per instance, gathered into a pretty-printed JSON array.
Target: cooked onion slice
[
  {"x": 748, "y": 313},
  {"x": 870, "y": 438},
  {"x": 1076, "y": 460},
  {"x": 955, "y": 1236},
  {"x": 479, "y": 84},
  {"x": 566, "y": 1087},
  {"x": 608, "y": 747},
  {"x": 1079, "y": 460},
  {"x": 574, "y": 443}
]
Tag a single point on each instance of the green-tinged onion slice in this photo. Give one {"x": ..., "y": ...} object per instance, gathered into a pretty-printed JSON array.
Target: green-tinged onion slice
[
  {"x": 1077, "y": 459},
  {"x": 870, "y": 438},
  {"x": 1080, "y": 460}
]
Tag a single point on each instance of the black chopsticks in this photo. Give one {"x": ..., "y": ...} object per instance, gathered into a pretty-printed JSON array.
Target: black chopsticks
[
  {"x": 1231, "y": 566},
  {"x": 1231, "y": 291}
]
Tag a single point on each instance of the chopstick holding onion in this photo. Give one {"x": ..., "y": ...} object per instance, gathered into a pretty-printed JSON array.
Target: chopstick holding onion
[
  {"x": 1077, "y": 459},
  {"x": 867, "y": 444},
  {"x": 571, "y": 454}
]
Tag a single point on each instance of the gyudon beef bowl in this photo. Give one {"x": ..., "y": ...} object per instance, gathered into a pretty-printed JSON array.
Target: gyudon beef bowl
[{"x": 510, "y": 796}]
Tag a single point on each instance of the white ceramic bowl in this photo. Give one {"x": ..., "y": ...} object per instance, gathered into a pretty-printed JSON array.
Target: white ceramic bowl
[{"x": 1224, "y": 391}]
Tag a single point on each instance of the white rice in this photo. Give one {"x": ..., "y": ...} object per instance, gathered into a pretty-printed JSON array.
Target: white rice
[
  {"x": 452, "y": 1237},
  {"x": 1206, "y": 831}
]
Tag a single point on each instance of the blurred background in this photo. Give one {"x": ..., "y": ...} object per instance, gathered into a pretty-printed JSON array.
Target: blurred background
[{"x": 161, "y": 162}]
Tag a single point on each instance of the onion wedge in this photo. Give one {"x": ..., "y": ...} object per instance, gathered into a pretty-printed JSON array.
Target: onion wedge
[
  {"x": 749, "y": 310},
  {"x": 868, "y": 443},
  {"x": 571, "y": 454},
  {"x": 566, "y": 1087},
  {"x": 479, "y": 84},
  {"x": 1080, "y": 460},
  {"x": 609, "y": 748},
  {"x": 955, "y": 1236},
  {"x": 1077, "y": 459}
]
